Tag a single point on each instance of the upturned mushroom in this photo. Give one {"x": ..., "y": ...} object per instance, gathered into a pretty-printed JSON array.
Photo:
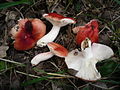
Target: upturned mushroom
[
  {"x": 90, "y": 30},
  {"x": 55, "y": 49},
  {"x": 57, "y": 21},
  {"x": 27, "y": 32},
  {"x": 84, "y": 62}
]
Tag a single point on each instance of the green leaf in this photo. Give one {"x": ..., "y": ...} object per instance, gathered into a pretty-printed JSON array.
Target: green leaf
[
  {"x": 30, "y": 82},
  {"x": 77, "y": 7},
  {"x": 108, "y": 68},
  {"x": 110, "y": 81},
  {"x": 86, "y": 88},
  {"x": 36, "y": 80},
  {"x": 10, "y": 4},
  {"x": 2, "y": 65},
  {"x": 39, "y": 70},
  {"x": 119, "y": 51},
  {"x": 62, "y": 83},
  {"x": 117, "y": 1}
]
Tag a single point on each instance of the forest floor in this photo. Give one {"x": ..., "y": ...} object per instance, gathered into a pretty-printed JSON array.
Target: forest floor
[{"x": 16, "y": 71}]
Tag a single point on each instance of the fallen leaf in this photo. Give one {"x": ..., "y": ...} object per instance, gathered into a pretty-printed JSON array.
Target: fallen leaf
[{"x": 3, "y": 50}]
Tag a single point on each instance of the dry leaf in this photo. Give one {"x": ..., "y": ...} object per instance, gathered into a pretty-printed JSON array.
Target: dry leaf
[{"x": 3, "y": 50}]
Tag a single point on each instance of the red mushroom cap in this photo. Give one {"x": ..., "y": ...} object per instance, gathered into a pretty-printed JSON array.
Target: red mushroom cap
[
  {"x": 57, "y": 19},
  {"x": 57, "y": 49},
  {"x": 90, "y": 30},
  {"x": 29, "y": 31},
  {"x": 56, "y": 16}
]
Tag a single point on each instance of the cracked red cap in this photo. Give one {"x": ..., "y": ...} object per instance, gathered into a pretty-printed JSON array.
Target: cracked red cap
[
  {"x": 27, "y": 33},
  {"x": 90, "y": 30}
]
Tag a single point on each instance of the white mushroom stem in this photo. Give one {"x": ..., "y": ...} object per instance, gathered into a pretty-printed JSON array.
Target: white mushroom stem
[
  {"x": 57, "y": 21},
  {"x": 41, "y": 57},
  {"x": 55, "y": 49},
  {"x": 50, "y": 37}
]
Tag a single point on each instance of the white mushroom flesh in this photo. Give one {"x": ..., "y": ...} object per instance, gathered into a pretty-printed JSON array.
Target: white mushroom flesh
[{"x": 85, "y": 61}]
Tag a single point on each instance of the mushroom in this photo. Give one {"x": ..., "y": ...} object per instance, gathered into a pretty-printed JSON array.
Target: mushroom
[
  {"x": 84, "y": 62},
  {"x": 41, "y": 57},
  {"x": 55, "y": 49},
  {"x": 57, "y": 21},
  {"x": 27, "y": 32},
  {"x": 90, "y": 30}
]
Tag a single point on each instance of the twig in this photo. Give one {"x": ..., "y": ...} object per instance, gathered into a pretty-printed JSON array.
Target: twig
[
  {"x": 31, "y": 75},
  {"x": 20, "y": 13},
  {"x": 114, "y": 87},
  {"x": 57, "y": 77},
  {"x": 55, "y": 65},
  {"x": 78, "y": 14},
  {"x": 4, "y": 70},
  {"x": 68, "y": 5},
  {"x": 73, "y": 84},
  {"x": 102, "y": 29},
  {"x": 32, "y": 5},
  {"x": 6, "y": 60},
  {"x": 99, "y": 86},
  {"x": 5, "y": 37},
  {"x": 56, "y": 4},
  {"x": 54, "y": 74},
  {"x": 83, "y": 86},
  {"x": 114, "y": 70},
  {"x": 110, "y": 88},
  {"x": 61, "y": 75},
  {"x": 116, "y": 19}
]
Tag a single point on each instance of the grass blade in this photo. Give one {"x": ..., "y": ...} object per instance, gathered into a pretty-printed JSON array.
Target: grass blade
[
  {"x": 30, "y": 82},
  {"x": 110, "y": 81},
  {"x": 10, "y": 61},
  {"x": 10, "y": 4}
]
